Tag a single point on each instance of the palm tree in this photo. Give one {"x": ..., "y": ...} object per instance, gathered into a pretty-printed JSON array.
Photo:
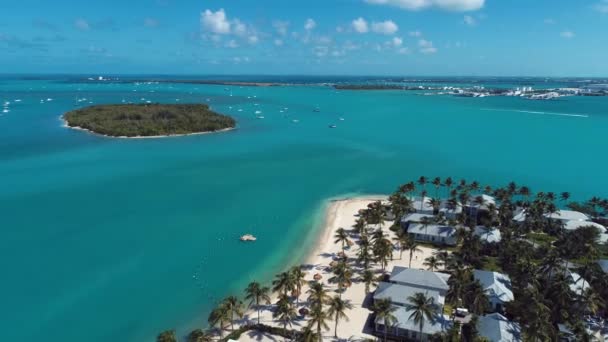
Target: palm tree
[
  {"x": 401, "y": 239},
  {"x": 437, "y": 183},
  {"x": 360, "y": 226},
  {"x": 363, "y": 254},
  {"x": 219, "y": 317},
  {"x": 318, "y": 319},
  {"x": 448, "y": 184},
  {"x": 476, "y": 298},
  {"x": 442, "y": 256},
  {"x": 308, "y": 335},
  {"x": 369, "y": 279},
  {"x": 383, "y": 251},
  {"x": 341, "y": 237},
  {"x": 297, "y": 276},
  {"x": 257, "y": 294},
  {"x": 384, "y": 311},
  {"x": 422, "y": 182},
  {"x": 412, "y": 246},
  {"x": 199, "y": 335},
  {"x": 422, "y": 309},
  {"x": 283, "y": 283},
  {"x": 564, "y": 196},
  {"x": 436, "y": 204},
  {"x": 235, "y": 306},
  {"x": 285, "y": 312},
  {"x": 337, "y": 309},
  {"x": 166, "y": 336},
  {"x": 342, "y": 276},
  {"x": 432, "y": 263},
  {"x": 317, "y": 294}
]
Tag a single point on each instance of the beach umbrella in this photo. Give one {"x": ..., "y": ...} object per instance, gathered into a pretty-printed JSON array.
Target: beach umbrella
[
  {"x": 318, "y": 277},
  {"x": 304, "y": 312},
  {"x": 333, "y": 264}
]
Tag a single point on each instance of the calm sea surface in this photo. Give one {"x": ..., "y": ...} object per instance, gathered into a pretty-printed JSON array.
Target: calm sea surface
[{"x": 115, "y": 240}]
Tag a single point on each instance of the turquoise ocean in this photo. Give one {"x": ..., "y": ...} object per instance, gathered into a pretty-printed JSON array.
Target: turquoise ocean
[{"x": 107, "y": 239}]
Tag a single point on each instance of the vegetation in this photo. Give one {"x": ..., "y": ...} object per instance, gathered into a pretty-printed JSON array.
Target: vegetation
[
  {"x": 543, "y": 261},
  {"x": 131, "y": 120}
]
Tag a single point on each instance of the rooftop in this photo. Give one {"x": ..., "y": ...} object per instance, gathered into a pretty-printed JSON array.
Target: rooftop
[
  {"x": 420, "y": 278},
  {"x": 488, "y": 235},
  {"x": 497, "y": 328},
  {"x": 564, "y": 215},
  {"x": 415, "y": 217},
  {"x": 398, "y": 293},
  {"x": 432, "y": 230},
  {"x": 438, "y": 324},
  {"x": 496, "y": 285}
]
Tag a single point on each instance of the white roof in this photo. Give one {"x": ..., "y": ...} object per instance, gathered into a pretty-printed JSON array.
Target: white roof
[
  {"x": 438, "y": 324},
  {"x": 420, "y": 278},
  {"x": 432, "y": 230},
  {"x": 490, "y": 236},
  {"x": 398, "y": 293},
  {"x": 564, "y": 215},
  {"x": 574, "y": 225},
  {"x": 415, "y": 217},
  {"x": 497, "y": 328},
  {"x": 578, "y": 283},
  {"x": 496, "y": 285}
]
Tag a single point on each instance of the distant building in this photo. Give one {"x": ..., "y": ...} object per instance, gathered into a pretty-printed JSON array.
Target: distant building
[
  {"x": 497, "y": 287},
  {"x": 561, "y": 215},
  {"x": 405, "y": 329},
  {"x": 497, "y": 328}
]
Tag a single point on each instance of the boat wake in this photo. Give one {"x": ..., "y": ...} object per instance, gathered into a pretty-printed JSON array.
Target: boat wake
[{"x": 537, "y": 112}]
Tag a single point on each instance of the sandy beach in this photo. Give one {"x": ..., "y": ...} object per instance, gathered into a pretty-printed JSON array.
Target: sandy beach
[
  {"x": 78, "y": 128},
  {"x": 340, "y": 213}
]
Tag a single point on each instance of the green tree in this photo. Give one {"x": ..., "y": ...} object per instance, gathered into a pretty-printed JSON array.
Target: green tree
[
  {"x": 285, "y": 312},
  {"x": 257, "y": 294},
  {"x": 298, "y": 278},
  {"x": 166, "y": 336},
  {"x": 235, "y": 307},
  {"x": 384, "y": 311},
  {"x": 432, "y": 263},
  {"x": 219, "y": 317},
  {"x": 412, "y": 247},
  {"x": 317, "y": 294},
  {"x": 341, "y": 236},
  {"x": 342, "y": 276},
  {"x": 337, "y": 309},
  {"x": 318, "y": 319},
  {"x": 283, "y": 283},
  {"x": 369, "y": 279},
  {"x": 422, "y": 309},
  {"x": 199, "y": 335}
]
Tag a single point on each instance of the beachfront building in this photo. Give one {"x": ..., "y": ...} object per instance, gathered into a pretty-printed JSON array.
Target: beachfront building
[
  {"x": 487, "y": 234},
  {"x": 404, "y": 283},
  {"x": 497, "y": 328},
  {"x": 414, "y": 218},
  {"x": 563, "y": 216},
  {"x": 421, "y": 279},
  {"x": 436, "y": 234},
  {"x": 405, "y": 329},
  {"x": 424, "y": 206},
  {"x": 497, "y": 287}
]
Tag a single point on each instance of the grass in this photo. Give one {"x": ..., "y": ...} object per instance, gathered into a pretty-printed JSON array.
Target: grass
[
  {"x": 491, "y": 264},
  {"x": 541, "y": 239}
]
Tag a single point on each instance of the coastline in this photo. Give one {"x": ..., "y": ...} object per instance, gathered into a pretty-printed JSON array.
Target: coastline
[
  {"x": 78, "y": 128},
  {"x": 338, "y": 213}
]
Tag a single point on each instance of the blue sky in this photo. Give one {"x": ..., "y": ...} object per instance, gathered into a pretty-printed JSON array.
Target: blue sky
[{"x": 351, "y": 37}]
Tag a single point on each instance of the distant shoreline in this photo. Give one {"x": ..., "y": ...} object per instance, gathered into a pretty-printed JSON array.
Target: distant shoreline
[{"x": 78, "y": 128}]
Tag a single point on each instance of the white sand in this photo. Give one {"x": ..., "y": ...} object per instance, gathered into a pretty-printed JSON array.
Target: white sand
[{"x": 340, "y": 213}]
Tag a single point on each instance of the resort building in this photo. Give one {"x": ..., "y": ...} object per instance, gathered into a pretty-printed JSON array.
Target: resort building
[
  {"x": 603, "y": 265},
  {"x": 423, "y": 206},
  {"x": 433, "y": 233},
  {"x": 414, "y": 218},
  {"x": 405, "y": 329},
  {"x": 404, "y": 283},
  {"x": 421, "y": 279},
  {"x": 562, "y": 215},
  {"x": 487, "y": 235},
  {"x": 497, "y": 287},
  {"x": 497, "y": 328}
]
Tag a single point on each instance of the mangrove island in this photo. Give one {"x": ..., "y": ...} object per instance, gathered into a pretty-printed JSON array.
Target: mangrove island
[{"x": 148, "y": 120}]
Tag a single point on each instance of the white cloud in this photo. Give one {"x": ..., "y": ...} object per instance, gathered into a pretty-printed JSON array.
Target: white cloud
[
  {"x": 253, "y": 39},
  {"x": 449, "y": 5},
  {"x": 310, "y": 24},
  {"x": 426, "y": 46},
  {"x": 567, "y": 34},
  {"x": 360, "y": 25},
  {"x": 385, "y": 27},
  {"x": 469, "y": 20},
  {"x": 232, "y": 44},
  {"x": 415, "y": 34},
  {"x": 397, "y": 42},
  {"x": 278, "y": 42},
  {"x": 602, "y": 6},
  {"x": 239, "y": 28},
  {"x": 324, "y": 40},
  {"x": 282, "y": 27},
  {"x": 82, "y": 24},
  {"x": 215, "y": 22},
  {"x": 404, "y": 51}
]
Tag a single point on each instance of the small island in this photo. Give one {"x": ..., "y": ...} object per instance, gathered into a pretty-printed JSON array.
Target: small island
[{"x": 148, "y": 120}]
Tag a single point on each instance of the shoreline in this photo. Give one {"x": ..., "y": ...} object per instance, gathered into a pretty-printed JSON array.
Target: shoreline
[
  {"x": 78, "y": 128},
  {"x": 328, "y": 226}
]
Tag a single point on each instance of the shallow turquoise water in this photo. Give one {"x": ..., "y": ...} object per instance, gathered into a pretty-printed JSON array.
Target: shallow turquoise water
[{"x": 114, "y": 240}]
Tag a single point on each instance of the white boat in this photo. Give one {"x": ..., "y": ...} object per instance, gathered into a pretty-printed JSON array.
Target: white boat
[
  {"x": 248, "y": 238},
  {"x": 258, "y": 112},
  {"x": 341, "y": 119}
]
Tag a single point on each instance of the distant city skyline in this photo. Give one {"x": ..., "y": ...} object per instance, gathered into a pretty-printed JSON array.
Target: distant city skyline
[{"x": 341, "y": 37}]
